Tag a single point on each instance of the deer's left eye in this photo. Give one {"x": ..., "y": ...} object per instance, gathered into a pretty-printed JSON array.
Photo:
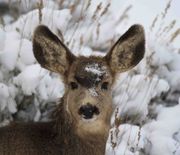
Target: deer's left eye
[
  {"x": 73, "y": 85},
  {"x": 104, "y": 86}
]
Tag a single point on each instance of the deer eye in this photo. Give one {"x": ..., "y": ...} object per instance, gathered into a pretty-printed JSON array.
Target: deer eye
[
  {"x": 73, "y": 85},
  {"x": 104, "y": 86}
]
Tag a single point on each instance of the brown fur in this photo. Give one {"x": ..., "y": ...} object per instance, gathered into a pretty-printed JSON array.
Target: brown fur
[
  {"x": 52, "y": 138},
  {"x": 71, "y": 132}
]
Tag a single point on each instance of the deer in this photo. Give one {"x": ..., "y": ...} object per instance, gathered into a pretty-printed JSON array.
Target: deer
[{"x": 82, "y": 119}]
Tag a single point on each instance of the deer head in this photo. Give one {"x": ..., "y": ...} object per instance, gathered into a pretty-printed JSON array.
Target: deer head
[{"x": 88, "y": 80}]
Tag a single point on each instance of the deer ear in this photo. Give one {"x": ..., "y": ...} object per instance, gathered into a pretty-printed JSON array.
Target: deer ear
[
  {"x": 128, "y": 50},
  {"x": 50, "y": 52}
]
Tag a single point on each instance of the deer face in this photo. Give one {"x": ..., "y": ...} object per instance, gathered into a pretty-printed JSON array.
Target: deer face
[
  {"x": 88, "y": 95},
  {"x": 89, "y": 80}
]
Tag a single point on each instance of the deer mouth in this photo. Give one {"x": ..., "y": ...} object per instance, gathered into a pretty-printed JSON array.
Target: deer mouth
[{"x": 88, "y": 111}]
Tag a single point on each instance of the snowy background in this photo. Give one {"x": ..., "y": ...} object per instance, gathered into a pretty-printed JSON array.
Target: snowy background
[{"x": 147, "y": 98}]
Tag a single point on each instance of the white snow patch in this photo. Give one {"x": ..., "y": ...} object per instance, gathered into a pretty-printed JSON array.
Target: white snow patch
[
  {"x": 2, "y": 38},
  {"x": 29, "y": 79},
  {"x": 93, "y": 92},
  {"x": 95, "y": 68}
]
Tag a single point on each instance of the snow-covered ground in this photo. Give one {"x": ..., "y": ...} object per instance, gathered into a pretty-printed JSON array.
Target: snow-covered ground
[{"x": 146, "y": 99}]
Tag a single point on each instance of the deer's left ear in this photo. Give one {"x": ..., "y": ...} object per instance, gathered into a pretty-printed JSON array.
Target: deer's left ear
[
  {"x": 128, "y": 50},
  {"x": 50, "y": 52}
]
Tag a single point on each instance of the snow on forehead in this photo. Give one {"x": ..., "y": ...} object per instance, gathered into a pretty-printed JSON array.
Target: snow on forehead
[{"x": 95, "y": 68}]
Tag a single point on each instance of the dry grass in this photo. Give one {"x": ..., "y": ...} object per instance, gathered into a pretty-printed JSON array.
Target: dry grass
[
  {"x": 154, "y": 22},
  {"x": 174, "y": 35},
  {"x": 113, "y": 144},
  {"x": 61, "y": 2},
  {"x": 96, "y": 12},
  {"x": 168, "y": 28},
  {"x": 165, "y": 12},
  {"x": 88, "y": 4},
  {"x": 40, "y": 6},
  {"x": 168, "y": 33},
  {"x": 105, "y": 9},
  {"x": 98, "y": 30},
  {"x": 124, "y": 15},
  {"x": 163, "y": 16}
]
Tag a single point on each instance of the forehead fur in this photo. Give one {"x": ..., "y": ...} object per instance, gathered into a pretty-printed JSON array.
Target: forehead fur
[{"x": 89, "y": 72}]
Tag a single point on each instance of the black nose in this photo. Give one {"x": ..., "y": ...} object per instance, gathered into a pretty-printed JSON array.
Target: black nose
[{"x": 87, "y": 111}]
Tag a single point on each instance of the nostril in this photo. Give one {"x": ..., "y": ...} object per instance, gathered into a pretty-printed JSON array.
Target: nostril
[{"x": 87, "y": 111}]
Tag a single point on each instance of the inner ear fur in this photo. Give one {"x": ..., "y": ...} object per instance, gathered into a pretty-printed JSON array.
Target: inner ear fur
[
  {"x": 50, "y": 52},
  {"x": 128, "y": 51}
]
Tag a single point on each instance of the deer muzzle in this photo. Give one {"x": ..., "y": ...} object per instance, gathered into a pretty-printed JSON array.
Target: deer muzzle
[{"x": 88, "y": 111}]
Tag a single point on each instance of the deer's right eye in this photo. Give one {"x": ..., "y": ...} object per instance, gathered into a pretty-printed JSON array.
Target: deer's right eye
[
  {"x": 104, "y": 86},
  {"x": 73, "y": 85}
]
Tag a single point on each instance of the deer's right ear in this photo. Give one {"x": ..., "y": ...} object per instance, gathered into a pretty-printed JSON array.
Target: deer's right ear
[
  {"x": 128, "y": 51},
  {"x": 50, "y": 52}
]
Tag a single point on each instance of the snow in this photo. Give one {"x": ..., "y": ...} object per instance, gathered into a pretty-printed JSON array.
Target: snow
[
  {"x": 29, "y": 78},
  {"x": 26, "y": 55},
  {"x": 162, "y": 132},
  {"x": 96, "y": 69},
  {"x": 147, "y": 98},
  {"x": 2, "y": 38},
  {"x": 4, "y": 95},
  {"x": 9, "y": 54},
  {"x": 93, "y": 92}
]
